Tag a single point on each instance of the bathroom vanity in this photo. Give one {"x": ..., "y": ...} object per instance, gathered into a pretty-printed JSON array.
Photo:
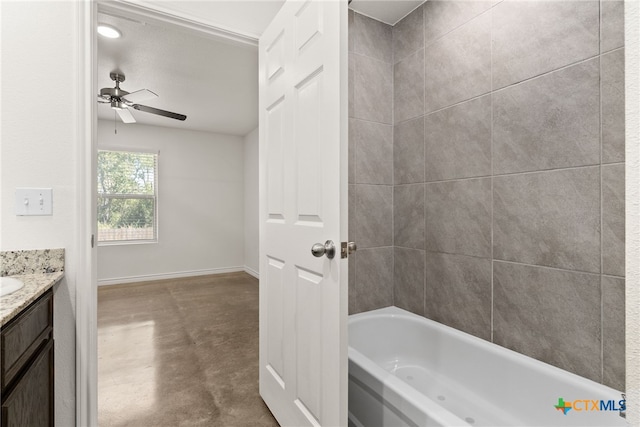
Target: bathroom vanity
[{"x": 27, "y": 286}]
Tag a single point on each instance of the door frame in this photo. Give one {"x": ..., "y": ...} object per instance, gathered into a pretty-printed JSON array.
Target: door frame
[
  {"x": 86, "y": 279},
  {"x": 87, "y": 257}
]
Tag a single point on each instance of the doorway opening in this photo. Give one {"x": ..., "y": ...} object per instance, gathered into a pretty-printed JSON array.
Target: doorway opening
[{"x": 177, "y": 313}]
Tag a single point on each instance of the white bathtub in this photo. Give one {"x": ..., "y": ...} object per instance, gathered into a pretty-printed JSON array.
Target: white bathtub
[{"x": 405, "y": 370}]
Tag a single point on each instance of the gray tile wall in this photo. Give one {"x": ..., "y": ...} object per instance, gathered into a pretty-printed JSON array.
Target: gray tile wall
[
  {"x": 371, "y": 161},
  {"x": 506, "y": 182}
]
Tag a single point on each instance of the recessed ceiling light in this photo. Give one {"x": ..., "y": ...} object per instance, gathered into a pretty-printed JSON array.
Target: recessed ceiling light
[{"x": 109, "y": 31}]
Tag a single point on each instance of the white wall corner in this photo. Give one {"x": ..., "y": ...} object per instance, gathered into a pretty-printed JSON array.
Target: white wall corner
[
  {"x": 251, "y": 272},
  {"x": 251, "y": 237}
]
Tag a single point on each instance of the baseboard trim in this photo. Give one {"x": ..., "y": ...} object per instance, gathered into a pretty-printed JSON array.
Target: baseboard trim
[
  {"x": 175, "y": 275},
  {"x": 252, "y": 272}
]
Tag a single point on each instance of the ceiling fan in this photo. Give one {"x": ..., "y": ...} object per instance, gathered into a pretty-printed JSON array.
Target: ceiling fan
[{"x": 121, "y": 101}]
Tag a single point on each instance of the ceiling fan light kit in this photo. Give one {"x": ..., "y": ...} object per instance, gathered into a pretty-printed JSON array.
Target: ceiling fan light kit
[{"x": 121, "y": 101}]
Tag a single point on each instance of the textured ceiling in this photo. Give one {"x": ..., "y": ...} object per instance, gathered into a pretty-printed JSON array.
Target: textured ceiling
[{"x": 215, "y": 83}]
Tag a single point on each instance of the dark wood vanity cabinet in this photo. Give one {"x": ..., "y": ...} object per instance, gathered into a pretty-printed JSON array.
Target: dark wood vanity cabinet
[{"x": 26, "y": 368}]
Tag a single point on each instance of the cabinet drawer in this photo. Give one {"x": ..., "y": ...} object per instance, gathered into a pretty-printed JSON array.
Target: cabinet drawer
[
  {"x": 30, "y": 401},
  {"x": 22, "y": 336}
]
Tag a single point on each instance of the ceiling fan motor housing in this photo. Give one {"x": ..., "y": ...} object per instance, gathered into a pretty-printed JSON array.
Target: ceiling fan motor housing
[
  {"x": 113, "y": 92},
  {"x": 116, "y": 104}
]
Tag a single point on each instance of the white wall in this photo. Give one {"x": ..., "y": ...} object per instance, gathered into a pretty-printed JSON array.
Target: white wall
[
  {"x": 251, "y": 247},
  {"x": 38, "y": 146},
  {"x": 200, "y": 205}
]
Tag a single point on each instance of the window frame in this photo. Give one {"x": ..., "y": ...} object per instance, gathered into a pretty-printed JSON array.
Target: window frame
[{"x": 133, "y": 196}]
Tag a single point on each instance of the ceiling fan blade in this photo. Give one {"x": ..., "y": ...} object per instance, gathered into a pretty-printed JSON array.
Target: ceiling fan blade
[
  {"x": 104, "y": 99},
  {"x": 138, "y": 96},
  {"x": 164, "y": 113},
  {"x": 126, "y": 115}
]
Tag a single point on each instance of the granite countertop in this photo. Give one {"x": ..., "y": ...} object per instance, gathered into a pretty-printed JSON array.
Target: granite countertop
[{"x": 34, "y": 286}]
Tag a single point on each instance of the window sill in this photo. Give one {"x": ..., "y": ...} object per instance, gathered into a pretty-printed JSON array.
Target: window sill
[{"x": 127, "y": 242}]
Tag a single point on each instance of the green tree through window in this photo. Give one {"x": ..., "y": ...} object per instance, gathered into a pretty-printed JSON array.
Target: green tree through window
[{"x": 126, "y": 196}]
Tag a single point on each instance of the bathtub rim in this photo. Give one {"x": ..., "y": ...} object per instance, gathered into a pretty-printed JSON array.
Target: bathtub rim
[
  {"x": 394, "y": 311},
  {"x": 405, "y": 390}
]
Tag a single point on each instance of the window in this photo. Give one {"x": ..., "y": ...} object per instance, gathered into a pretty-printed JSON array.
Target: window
[{"x": 127, "y": 196}]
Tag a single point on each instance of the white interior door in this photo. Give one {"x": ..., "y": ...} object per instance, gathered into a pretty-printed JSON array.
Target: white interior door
[{"x": 303, "y": 196}]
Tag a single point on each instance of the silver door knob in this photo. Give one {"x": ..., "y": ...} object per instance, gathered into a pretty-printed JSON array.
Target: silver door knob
[{"x": 328, "y": 249}]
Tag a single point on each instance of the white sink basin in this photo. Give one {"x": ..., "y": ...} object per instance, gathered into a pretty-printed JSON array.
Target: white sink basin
[{"x": 9, "y": 285}]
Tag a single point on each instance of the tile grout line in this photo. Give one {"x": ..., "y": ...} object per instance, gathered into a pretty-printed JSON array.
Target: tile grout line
[
  {"x": 528, "y": 79},
  {"x": 600, "y": 194},
  {"x": 519, "y": 173},
  {"x": 356, "y": 303},
  {"x": 492, "y": 91},
  {"x": 424, "y": 160},
  {"x": 393, "y": 168},
  {"x": 524, "y": 264},
  {"x": 491, "y": 335},
  {"x": 546, "y": 73},
  {"x": 368, "y": 120},
  {"x": 565, "y": 270}
]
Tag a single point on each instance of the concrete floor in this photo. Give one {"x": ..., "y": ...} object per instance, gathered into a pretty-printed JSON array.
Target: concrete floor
[{"x": 180, "y": 352}]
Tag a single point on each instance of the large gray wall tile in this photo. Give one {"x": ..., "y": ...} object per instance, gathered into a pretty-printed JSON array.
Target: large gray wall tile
[
  {"x": 408, "y": 35},
  {"x": 374, "y": 278},
  {"x": 458, "y": 217},
  {"x": 612, "y": 81},
  {"x": 458, "y": 66},
  {"x": 611, "y": 24},
  {"x": 408, "y": 151},
  {"x": 533, "y": 37},
  {"x": 458, "y": 141},
  {"x": 550, "y": 315},
  {"x": 373, "y": 90},
  {"x": 374, "y": 219},
  {"x": 408, "y": 216},
  {"x": 548, "y": 122},
  {"x": 443, "y": 16},
  {"x": 408, "y": 290},
  {"x": 372, "y": 38},
  {"x": 373, "y": 152},
  {"x": 458, "y": 292},
  {"x": 408, "y": 87},
  {"x": 613, "y": 332},
  {"x": 549, "y": 218},
  {"x": 613, "y": 220}
]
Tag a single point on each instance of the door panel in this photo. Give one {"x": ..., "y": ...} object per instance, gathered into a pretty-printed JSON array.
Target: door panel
[
  {"x": 275, "y": 169},
  {"x": 303, "y": 307},
  {"x": 275, "y": 327},
  {"x": 309, "y": 150},
  {"x": 309, "y": 340}
]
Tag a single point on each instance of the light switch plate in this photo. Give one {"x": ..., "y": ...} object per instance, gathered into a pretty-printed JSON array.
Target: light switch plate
[{"x": 34, "y": 201}]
